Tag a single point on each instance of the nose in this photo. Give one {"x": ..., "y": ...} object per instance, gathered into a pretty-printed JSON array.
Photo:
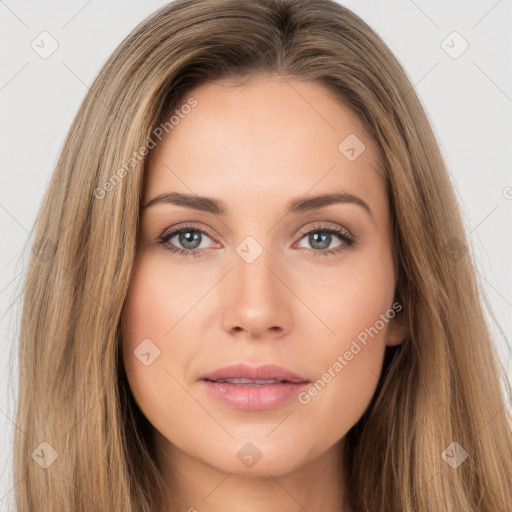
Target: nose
[{"x": 255, "y": 300}]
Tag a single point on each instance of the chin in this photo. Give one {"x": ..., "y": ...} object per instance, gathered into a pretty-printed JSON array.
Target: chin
[{"x": 258, "y": 457}]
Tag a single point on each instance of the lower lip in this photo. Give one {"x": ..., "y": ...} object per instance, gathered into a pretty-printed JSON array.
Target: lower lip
[{"x": 254, "y": 398}]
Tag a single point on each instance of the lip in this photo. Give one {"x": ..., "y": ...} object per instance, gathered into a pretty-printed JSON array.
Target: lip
[
  {"x": 263, "y": 372},
  {"x": 255, "y": 397}
]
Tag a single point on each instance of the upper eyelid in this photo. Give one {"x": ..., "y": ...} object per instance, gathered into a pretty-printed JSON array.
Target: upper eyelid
[
  {"x": 190, "y": 227},
  {"x": 319, "y": 225}
]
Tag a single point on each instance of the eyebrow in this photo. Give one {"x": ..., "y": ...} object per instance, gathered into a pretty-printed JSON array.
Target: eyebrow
[{"x": 218, "y": 207}]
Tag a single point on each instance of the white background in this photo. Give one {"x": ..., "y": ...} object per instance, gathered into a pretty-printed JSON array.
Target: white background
[{"x": 468, "y": 100}]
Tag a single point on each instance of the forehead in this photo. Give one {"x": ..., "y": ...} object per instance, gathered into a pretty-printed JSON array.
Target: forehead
[{"x": 268, "y": 137}]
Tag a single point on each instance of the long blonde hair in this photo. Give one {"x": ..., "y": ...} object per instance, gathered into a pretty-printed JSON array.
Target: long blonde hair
[{"x": 441, "y": 386}]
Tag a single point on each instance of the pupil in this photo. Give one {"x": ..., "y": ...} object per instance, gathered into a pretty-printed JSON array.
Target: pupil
[
  {"x": 189, "y": 238},
  {"x": 325, "y": 240}
]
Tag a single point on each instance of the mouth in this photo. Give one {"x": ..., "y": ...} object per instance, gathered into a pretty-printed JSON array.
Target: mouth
[{"x": 254, "y": 388}]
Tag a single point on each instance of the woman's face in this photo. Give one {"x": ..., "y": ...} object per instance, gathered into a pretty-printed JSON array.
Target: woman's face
[{"x": 263, "y": 273}]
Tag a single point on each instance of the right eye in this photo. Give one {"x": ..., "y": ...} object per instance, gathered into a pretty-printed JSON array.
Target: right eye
[{"x": 189, "y": 237}]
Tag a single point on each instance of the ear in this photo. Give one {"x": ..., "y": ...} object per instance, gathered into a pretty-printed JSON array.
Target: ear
[{"x": 397, "y": 330}]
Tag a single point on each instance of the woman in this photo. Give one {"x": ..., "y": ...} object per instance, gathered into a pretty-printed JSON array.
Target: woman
[{"x": 250, "y": 284}]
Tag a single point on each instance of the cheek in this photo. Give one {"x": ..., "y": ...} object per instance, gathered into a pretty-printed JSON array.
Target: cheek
[
  {"x": 347, "y": 375},
  {"x": 149, "y": 314},
  {"x": 157, "y": 304},
  {"x": 356, "y": 306},
  {"x": 350, "y": 297}
]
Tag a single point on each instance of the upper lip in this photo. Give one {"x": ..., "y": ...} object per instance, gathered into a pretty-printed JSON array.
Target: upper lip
[{"x": 263, "y": 372}]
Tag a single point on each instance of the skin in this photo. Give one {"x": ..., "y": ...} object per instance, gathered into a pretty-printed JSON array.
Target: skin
[{"x": 256, "y": 147}]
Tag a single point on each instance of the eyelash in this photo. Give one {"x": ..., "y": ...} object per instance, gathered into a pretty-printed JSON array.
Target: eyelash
[{"x": 346, "y": 238}]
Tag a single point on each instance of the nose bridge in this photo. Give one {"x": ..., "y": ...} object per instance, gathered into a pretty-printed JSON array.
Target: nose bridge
[
  {"x": 254, "y": 297},
  {"x": 254, "y": 281},
  {"x": 252, "y": 258}
]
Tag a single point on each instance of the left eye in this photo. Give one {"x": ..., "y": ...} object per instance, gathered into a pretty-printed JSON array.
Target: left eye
[{"x": 321, "y": 239}]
